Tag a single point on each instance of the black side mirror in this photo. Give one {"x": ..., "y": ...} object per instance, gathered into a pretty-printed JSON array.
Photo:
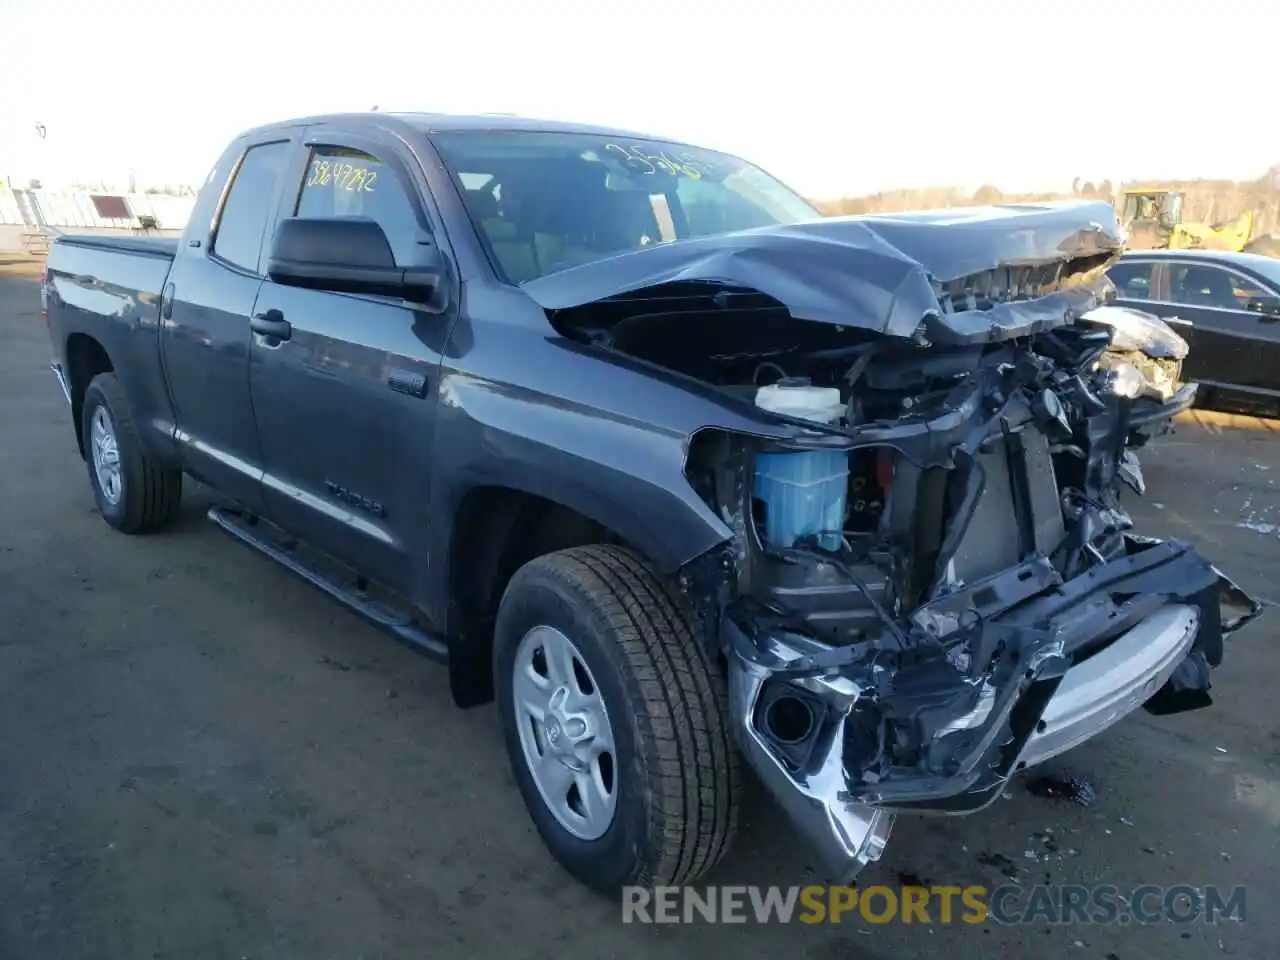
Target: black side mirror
[
  {"x": 347, "y": 255},
  {"x": 1269, "y": 307}
]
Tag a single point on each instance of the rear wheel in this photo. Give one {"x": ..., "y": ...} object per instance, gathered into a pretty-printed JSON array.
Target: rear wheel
[
  {"x": 134, "y": 494},
  {"x": 615, "y": 719}
]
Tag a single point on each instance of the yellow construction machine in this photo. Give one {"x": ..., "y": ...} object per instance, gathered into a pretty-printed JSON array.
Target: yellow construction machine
[{"x": 1152, "y": 216}]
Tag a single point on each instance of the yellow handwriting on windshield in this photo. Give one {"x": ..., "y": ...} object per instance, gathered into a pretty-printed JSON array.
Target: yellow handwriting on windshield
[
  {"x": 341, "y": 176},
  {"x": 638, "y": 158}
]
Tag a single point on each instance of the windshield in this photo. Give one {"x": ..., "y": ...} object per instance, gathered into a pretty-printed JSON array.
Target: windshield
[{"x": 544, "y": 202}]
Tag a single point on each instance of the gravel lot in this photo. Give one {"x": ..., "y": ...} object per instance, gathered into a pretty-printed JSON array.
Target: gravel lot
[{"x": 200, "y": 756}]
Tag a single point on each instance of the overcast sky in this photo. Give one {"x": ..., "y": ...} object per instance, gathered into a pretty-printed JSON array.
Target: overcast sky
[{"x": 834, "y": 97}]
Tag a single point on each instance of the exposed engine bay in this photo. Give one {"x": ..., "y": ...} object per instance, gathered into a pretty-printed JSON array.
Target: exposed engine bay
[{"x": 932, "y": 582}]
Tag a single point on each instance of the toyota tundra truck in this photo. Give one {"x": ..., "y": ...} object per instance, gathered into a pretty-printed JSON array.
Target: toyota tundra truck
[{"x": 685, "y": 477}]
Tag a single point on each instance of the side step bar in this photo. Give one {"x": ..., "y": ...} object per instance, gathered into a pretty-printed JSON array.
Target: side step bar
[{"x": 401, "y": 626}]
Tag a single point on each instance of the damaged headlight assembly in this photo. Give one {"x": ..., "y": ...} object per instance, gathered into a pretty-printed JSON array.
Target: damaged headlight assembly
[
  {"x": 1145, "y": 356},
  {"x": 1125, "y": 380},
  {"x": 1139, "y": 331}
]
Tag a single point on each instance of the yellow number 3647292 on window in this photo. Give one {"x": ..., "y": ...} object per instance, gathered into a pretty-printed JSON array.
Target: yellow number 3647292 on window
[{"x": 341, "y": 176}]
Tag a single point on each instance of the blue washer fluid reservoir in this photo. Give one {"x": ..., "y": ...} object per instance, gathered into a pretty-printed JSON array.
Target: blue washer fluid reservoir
[{"x": 802, "y": 493}]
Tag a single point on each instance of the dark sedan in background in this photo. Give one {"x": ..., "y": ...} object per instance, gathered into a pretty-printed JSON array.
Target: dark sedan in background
[{"x": 1226, "y": 306}]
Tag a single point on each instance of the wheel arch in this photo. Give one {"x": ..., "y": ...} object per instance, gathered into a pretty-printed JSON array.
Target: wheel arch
[
  {"x": 496, "y": 529},
  {"x": 86, "y": 358}
]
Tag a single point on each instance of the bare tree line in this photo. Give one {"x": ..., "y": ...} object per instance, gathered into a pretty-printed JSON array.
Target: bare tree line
[{"x": 1204, "y": 201}]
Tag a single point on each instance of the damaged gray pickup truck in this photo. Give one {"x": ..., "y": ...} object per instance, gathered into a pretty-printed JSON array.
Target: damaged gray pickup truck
[{"x": 673, "y": 469}]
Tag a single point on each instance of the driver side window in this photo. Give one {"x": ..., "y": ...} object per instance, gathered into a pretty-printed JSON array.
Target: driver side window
[
  {"x": 1132, "y": 279},
  {"x": 1203, "y": 286},
  {"x": 343, "y": 182}
]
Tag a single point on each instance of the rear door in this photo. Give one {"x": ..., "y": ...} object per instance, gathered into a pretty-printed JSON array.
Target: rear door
[
  {"x": 205, "y": 318},
  {"x": 1136, "y": 282},
  {"x": 345, "y": 406}
]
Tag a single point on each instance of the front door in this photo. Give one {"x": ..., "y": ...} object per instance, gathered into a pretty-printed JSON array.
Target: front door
[
  {"x": 345, "y": 405},
  {"x": 205, "y": 314},
  {"x": 1231, "y": 345}
]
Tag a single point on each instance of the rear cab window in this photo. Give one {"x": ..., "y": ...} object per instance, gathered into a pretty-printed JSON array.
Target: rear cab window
[{"x": 250, "y": 205}]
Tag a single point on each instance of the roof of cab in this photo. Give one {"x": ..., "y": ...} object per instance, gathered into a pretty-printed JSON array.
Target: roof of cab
[
  {"x": 1226, "y": 257},
  {"x": 429, "y": 123},
  {"x": 447, "y": 123}
]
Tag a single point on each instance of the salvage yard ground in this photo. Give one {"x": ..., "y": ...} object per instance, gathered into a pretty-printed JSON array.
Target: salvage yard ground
[{"x": 202, "y": 757}]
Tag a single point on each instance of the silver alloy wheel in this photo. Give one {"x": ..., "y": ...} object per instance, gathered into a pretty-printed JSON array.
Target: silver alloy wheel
[
  {"x": 106, "y": 455},
  {"x": 565, "y": 733}
]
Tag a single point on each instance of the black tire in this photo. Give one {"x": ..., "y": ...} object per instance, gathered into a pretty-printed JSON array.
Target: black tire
[
  {"x": 150, "y": 495},
  {"x": 678, "y": 778}
]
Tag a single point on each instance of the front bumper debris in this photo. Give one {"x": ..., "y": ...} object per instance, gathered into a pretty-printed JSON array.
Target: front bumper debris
[
  {"x": 1145, "y": 628},
  {"x": 1113, "y": 683},
  {"x": 849, "y": 835},
  {"x": 1151, "y": 418}
]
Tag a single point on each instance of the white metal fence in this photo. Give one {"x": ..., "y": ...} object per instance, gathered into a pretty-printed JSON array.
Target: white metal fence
[{"x": 39, "y": 209}]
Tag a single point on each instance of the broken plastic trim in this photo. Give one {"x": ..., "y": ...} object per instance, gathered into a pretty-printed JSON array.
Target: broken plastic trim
[
  {"x": 1041, "y": 617},
  {"x": 849, "y": 836},
  {"x": 1046, "y": 628}
]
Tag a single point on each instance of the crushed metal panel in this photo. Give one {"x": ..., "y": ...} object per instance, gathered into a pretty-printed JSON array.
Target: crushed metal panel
[
  {"x": 991, "y": 542},
  {"x": 1046, "y": 504}
]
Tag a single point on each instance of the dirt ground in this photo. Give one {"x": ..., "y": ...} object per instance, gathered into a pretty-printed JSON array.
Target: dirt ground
[
  {"x": 200, "y": 756},
  {"x": 20, "y": 265}
]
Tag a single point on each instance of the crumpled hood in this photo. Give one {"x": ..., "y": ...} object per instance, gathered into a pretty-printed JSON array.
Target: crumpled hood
[{"x": 882, "y": 273}]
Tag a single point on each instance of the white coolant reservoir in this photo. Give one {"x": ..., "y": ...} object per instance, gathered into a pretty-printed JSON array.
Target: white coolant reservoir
[
  {"x": 798, "y": 398},
  {"x": 802, "y": 493}
]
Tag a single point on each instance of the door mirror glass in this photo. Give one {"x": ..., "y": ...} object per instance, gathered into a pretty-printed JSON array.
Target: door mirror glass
[{"x": 348, "y": 255}]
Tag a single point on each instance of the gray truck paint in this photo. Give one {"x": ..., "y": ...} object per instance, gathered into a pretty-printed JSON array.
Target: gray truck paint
[{"x": 397, "y": 436}]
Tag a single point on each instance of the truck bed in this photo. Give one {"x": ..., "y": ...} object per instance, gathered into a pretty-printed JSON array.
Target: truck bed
[
  {"x": 117, "y": 277},
  {"x": 107, "y": 291},
  {"x": 164, "y": 247}
]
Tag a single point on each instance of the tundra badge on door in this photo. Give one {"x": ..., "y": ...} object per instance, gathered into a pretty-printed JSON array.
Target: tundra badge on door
[{"x": 351, "y": 498}]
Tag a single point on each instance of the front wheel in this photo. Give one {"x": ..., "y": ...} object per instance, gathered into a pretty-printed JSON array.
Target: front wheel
[{"x": 615, "y": 720}]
